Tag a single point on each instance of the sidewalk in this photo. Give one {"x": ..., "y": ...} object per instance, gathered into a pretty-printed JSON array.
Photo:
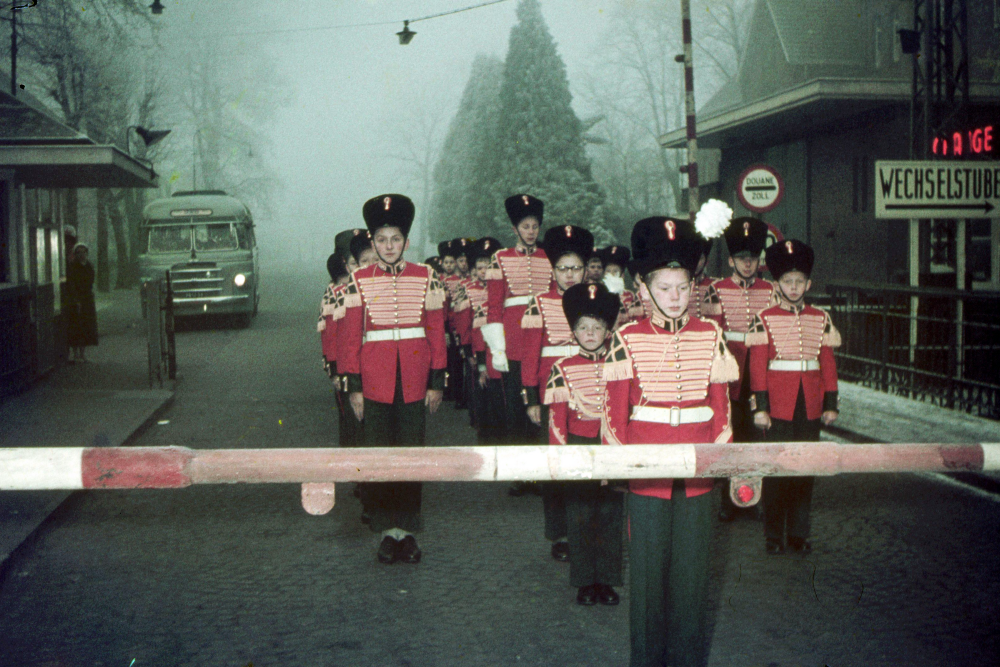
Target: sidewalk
[
  {"x": 105, "y": 402},
  {"x": 876, "y": 416}
]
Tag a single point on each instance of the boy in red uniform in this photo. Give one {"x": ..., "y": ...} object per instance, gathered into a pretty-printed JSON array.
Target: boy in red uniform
[
  {"x": 574, "y": 395},
  {"x": 515, "y": 275},
  {"x": 613, "y": 260},
  {"x": 667, "y": 382},
  {"x": 488, "y": 380},
  {"x": 793, "y": 376},
  {"x": 452, "y": 280},
  {"x": 394, "y": 358},
  {"x": 327, "y": 327},
  {"x": 545, "y": 337}
]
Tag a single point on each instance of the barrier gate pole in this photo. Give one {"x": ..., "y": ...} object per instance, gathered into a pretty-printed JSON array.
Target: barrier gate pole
[{"x": 75, "y": 468}]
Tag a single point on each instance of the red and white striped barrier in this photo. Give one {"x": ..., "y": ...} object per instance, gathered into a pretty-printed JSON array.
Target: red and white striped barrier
[{"x": 72, "y": 468}]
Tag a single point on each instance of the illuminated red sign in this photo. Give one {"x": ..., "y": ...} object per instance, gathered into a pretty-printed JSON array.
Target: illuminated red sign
[{"x": 967, "y": 143}]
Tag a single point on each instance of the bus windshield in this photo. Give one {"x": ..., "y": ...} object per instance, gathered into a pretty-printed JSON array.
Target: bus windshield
[{"x": 209, "y": 236}]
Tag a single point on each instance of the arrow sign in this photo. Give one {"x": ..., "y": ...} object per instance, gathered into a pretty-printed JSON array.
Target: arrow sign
[{"x": 930, "y": 189}]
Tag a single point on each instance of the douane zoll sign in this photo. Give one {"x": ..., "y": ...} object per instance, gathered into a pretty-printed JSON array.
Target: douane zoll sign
[
  {"x": 937, "y": 189},
  {"x": 760, "y": 188}
]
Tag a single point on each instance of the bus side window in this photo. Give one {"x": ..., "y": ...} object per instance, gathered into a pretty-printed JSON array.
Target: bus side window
[{"x": 245, "y": 234}]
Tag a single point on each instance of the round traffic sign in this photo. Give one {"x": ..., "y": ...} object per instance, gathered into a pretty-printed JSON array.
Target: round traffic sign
[{"x": 760, "y": 188}]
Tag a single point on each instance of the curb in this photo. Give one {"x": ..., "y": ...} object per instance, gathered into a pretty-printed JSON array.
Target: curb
[{"x": 32, "y": 537}]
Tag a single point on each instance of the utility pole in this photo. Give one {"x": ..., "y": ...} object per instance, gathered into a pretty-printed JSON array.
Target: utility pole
[
  {"x": 13, "y": 44},
  {"x": 691, "y": 168}
]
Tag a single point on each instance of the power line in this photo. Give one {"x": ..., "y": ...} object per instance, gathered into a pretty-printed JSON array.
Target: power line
[{"x": 363, "y": 25}]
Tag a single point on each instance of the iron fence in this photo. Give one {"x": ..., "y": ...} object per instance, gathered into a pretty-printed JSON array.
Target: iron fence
[{"x": 936, "y": 345}]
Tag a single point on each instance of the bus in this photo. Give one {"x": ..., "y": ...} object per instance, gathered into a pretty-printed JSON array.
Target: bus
[{"x": 205, "y": 240}]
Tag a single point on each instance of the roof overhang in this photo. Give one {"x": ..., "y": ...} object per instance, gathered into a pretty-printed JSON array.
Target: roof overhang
[
  {"x": 820, "y": 102},
  {"x": 75, "y": 166}
]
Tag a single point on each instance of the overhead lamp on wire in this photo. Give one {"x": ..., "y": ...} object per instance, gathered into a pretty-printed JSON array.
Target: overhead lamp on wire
[
  {"x": 156, "y": 8},
  {"x": 405, "y": 35}
]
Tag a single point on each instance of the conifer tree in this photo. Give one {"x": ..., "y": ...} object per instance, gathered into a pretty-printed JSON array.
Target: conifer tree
[{"x": 539, "y": 140}]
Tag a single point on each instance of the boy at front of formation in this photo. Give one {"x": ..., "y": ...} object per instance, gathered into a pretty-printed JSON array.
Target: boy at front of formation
[
  {"x": 545, "y": 337},
  {"x": 793, "y": 377},
  {"x": 394, "y": 358},
  {"x": 667, "y": 383},
  {"x": 574, "y": 394}
]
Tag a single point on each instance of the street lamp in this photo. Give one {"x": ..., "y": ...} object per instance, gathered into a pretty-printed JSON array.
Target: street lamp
[
  {"x": 405, "y": 35},
  {"x": 149, "y": 137},
  {"x": 156, "y": 8}
]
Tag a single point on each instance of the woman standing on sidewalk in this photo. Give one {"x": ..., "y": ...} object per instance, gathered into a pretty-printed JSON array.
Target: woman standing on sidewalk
[{"x": 81, "y": 314}]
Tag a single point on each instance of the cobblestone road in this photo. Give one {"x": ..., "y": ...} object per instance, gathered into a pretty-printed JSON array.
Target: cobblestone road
[{"x": 904, "y": 572}]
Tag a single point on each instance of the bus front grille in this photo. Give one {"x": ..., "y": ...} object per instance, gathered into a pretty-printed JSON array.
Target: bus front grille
[{"x": 196, "y": 280}]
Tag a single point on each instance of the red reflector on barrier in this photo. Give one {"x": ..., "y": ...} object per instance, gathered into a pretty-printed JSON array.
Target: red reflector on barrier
[{"x": 745, "y": 493}]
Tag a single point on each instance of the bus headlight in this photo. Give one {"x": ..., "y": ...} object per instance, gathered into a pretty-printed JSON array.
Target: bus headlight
[{"x": 240, "y": 279}]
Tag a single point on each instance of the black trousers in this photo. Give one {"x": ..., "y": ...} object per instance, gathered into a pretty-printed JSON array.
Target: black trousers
[
  {"x": 788, "y": 500},
  {"x": 492, "y": 414},
  {"x": 396, "y": 424},
  {"x": 471, "y": 386},
  {"x": 594, "y": 522},
  {"x": 668, "y": 578},
  {"x": 515, "y": 415},
  {"x": 454, "y": 391},
  {"x": 553, "y": 493}
]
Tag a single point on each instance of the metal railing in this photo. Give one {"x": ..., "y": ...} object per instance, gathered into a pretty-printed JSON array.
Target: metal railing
[
  {"x": 158, "y": 311},
  {"x": 936, "y": 345}
]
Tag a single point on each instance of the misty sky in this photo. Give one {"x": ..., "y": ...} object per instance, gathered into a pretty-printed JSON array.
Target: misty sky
[{"x": 353, "y": 88}]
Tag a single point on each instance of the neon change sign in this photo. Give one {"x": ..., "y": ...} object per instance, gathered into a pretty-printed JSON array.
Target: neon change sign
[{"x": 971, "y": 142}]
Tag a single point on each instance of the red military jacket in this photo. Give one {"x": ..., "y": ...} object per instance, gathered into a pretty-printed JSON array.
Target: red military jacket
[
  {"x": 781, "y": 337},
  {"x": 545, "y": 338},
  {"x": 326, "y": 325},
  {"x": 397, "y": 300},
  {"x": 513, "y": 277},
  {"x": 733, "y": 302},
  {"x": 575, "y": 396},
  {"x": 465, "y": 311},
  {"x": 700, "y": 294},
  {"x": 628, "y": 310},
  {"x": 452, "y": 284},
  {"x": 657, "y": 364}
]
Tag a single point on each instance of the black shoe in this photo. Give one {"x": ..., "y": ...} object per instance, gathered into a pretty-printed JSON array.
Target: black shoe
[
  {"x": 388, "y": 550},
  {"x": 408, "y": 551},
  {"x": 560, "y": 551},
  {"x": 606, "y": 595},
  {"x": 800, "y": 546},
  {"x": 587, "y": 595},
  {"x": 727, "y": 514},
  {"x": 774, "y": 548}
]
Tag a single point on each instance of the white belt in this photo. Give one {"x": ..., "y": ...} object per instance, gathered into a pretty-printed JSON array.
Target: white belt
[
  {"x": 394, "y": 334},
  {"x": 735, "y": 335},
  {"x": 672, "y": 416},
  {"x": 790, "y": 365},
  {"x": 560, "y": 350},
  {"x": 516, "y": 301}
]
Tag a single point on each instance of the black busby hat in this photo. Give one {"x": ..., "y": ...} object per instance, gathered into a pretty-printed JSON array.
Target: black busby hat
[
  {"x": 614, "y": 254},
  {"x": 336, "y": 267},
  {"x": 746, "y": 235},
  {"x": 664, "y": 243},
  {"x": 389, "y": 211},
  {"x": 565, "y": 239},
  {"x": 460, "y": 247},
  {"x": 445, "y": 249},
  {"x": 523, "y": 206},
  {"x": 342, "y": 242},
  {"x": 789, "y": 255},
  {"x": 360, "y": 243},
  {"x": 484, "y": 247},
  {"x": 434, "y": 263},
  {"x": 591, "y": 300}
]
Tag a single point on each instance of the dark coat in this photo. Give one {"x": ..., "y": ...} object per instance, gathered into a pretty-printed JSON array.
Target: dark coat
[{"x": 81, "y": 314}]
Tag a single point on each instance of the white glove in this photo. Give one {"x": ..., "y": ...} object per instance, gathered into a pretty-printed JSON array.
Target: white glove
[{"x": 500, "y": 363}]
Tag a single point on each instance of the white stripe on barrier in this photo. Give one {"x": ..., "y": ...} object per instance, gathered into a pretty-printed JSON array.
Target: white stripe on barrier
[
  {"x": 659, "y": 461},
  {"x": 40, "y": 468},
  {"x": 991, "y": 455}
]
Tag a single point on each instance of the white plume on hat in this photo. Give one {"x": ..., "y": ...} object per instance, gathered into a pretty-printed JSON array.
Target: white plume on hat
[{"x": 713, "y": 218}]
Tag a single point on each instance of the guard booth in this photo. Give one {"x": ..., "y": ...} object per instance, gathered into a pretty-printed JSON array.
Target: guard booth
[{"x": 40, "y": 159}]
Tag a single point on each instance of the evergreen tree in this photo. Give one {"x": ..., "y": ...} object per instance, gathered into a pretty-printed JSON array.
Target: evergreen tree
[
  {"x": 461, "y": 205},
  {"x": 539, "y": 145}
]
